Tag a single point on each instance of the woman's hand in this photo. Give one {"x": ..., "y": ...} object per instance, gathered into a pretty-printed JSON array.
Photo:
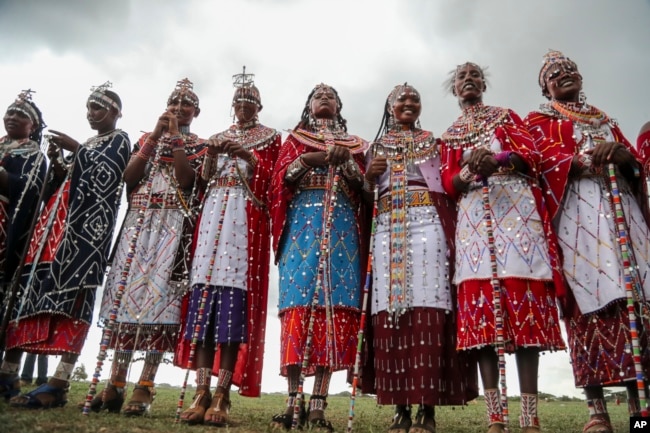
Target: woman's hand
[
  {"x": 62, "y": 141},
  {"x": 482, "y": 162},
  {"x": 606, "y": 152},
  {"x": 377, "y": 167}
]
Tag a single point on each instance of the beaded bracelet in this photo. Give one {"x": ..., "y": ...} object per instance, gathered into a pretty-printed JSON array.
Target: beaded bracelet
[
  {"x": 504, "y": 160},
  {"x": 176, "y": 141},
  {"x": 584, "y": 160},
  {"x": 351, "y": 170},
  {"x": 296, "y": 169},
  {"x": 466, "y": 174},
  {"x": 368, "y": 186}
]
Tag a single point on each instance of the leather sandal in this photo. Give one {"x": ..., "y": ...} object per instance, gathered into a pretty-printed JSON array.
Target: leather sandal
[
  {"x": 425, "y": 421},
  {"x": 109, "y": 399},
  {"x": 217, "y": 413},
  {"x": 401, "y": 420},
  {"x": 598, "y": 424},
  {"x": 30, "y": 400},
  {"x": 196, "y": 412},
  {"x": 285, "y": 420},
  {"x": 136, "y": 407},
  {"x": 9, "y": 386}
]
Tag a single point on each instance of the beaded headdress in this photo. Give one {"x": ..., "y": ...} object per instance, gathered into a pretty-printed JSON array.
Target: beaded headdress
[
  {"x": 245, "y": 90},
  {"x": 323, "y": 86},
  {"x": 184, "y": 91},
  {"x": 397, "y": 91},
  {"x": 549, "y": 59},
  {"x": 101, "y": 98},
  {"x": 22, "y": 104}
]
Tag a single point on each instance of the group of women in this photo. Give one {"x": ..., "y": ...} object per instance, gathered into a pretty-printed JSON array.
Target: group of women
[{"x": 441, "y": 254}]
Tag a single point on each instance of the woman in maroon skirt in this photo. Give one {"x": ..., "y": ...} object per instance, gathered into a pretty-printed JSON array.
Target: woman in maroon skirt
[{"x": 413, "y": 335}]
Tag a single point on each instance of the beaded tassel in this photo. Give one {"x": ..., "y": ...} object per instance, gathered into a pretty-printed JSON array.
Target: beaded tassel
[
  {"x": 117, "y": 302},
  {"x": 206, "y": 289},
  {"x": 362, "y": 320},
  {"x": 498, "y": 312},
  {"x": 632, "y": 291},
  {"x": 331, "y": 189}
]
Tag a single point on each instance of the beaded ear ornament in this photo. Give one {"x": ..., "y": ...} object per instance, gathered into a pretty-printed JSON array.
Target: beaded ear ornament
[
  {"x": 185, "y": 91},
  {"x": 99, "y": 97},
  {"x": 22, "y": 105}
]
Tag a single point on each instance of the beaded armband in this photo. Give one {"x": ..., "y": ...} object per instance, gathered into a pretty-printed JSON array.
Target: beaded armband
[
  {"x": 296, "y": 169},
  {"x": 466, "y": 174},
  {"x": 351, "y": 170}
]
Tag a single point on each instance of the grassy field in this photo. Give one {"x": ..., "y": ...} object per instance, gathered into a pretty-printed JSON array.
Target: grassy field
[{"x": 253, "y": 415}]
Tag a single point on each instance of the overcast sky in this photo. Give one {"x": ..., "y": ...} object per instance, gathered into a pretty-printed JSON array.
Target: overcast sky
[{"x": 363, "y": 48}]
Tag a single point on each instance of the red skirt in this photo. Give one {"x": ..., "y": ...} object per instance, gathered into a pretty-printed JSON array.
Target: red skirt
[
  {"x": 600, "y": 344},
  {"x": 530, "y": 315},
  {"x": 336, "y": 353},
  {"x": 415, "y": 360},
  {"x": 47, "y": 333}
]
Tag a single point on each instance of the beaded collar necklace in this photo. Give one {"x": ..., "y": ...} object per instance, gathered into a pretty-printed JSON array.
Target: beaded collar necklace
[
  {"x": 250, "y": 135},
  {"x": 416, "y": 145},
  {"x": 580, "y": 113},
  {"x": 98, "y": 139},
  {"x": 475, "y": 126},
  {"x": 330, "y": 132}
]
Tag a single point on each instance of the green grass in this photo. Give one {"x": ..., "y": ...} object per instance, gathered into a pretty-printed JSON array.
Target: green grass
[{"x": 254, "y": 414}]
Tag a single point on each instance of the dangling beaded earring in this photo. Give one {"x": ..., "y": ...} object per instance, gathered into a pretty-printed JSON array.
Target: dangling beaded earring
[{"x": 582, "y": 98}]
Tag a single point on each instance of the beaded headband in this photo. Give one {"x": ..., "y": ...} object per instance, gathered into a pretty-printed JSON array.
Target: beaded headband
[
  {"x": 245, "y": 89},
  {"x": 323, "y": 86},
  {"x": 549, "y": 59},
  {"x": 22, "y": 105},
  {"x": 99, "y": 97},
  {"x": 184, "y": 91},
  {"x": 400, "y": 90}
]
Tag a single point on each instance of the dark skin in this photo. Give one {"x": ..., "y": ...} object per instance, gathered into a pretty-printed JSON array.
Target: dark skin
[
  {"x": 102, "y": 121},
  {"x": 323, "y": 106},
  {"x": 244, "y": 112},
  {"x": 406, "y": 110},
  {"x": 180, "y": 112},
  {"x": 469, "y": 87},
  {"x": 563, "y": 83},
  {"x": 18, "y": 126}
]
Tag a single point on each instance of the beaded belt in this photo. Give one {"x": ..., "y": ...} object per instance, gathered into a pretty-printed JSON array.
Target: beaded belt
[
  {"x": 413, "y": 198},
  {"x": 319, "y": 181},
  {"x": 157, "y": 201},
  {"x": 224, "y": 181},
  {"x": 500, "y": 179}
]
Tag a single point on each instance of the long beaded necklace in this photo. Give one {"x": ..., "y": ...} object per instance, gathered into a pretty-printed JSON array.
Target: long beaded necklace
[{"x": 397, "y": 288}]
